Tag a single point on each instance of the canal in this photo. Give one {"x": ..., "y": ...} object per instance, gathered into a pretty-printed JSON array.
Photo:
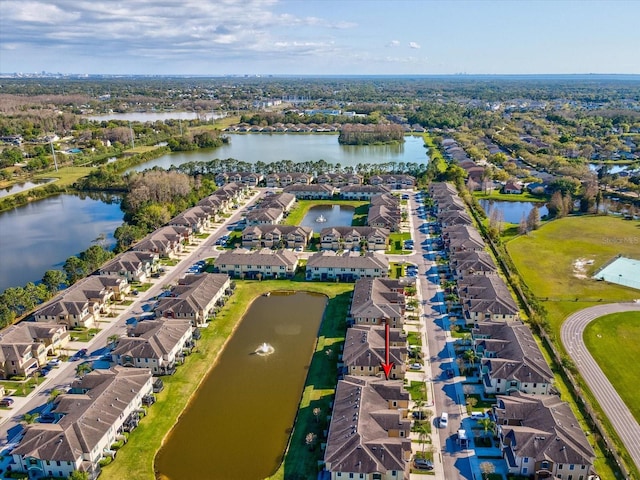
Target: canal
[{"x": 238, "y": 423}]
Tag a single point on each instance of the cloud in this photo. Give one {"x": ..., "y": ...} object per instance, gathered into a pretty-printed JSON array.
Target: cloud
[
  {"x": 414, "y": 45},
  {"x": 393, "y": 43}
]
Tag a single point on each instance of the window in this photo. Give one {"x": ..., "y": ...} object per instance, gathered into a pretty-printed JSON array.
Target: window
[
  {"x": 524, "y": 470},
  {"x": 526, "y": 460},
  {"x": 572, "y": 467}
]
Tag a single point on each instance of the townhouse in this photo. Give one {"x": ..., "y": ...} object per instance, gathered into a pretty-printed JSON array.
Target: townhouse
[
  {"x": 158, "y": 345},
  {"x": 339, "y": 179},
  {"x": 264, "y": 263},
  {"x": 510, "y": 359},
  {"x": 311, "y": 192},
  {"x": 384, "y": 212},
  {"x": 393, "y": 182},
  {"x": 361, "y": 192},
  {"x": 369, "y": 238},
  {"x": 165, "y": 242},
  {"x": 369, "y": 430},
  {"x": 132, "y": 265},
  {"x": 348, "y": 266},
  {"x": 197, "y": 218},
  {"x": 486, "y": 297},
  {"x": 276, "y": 236},
  {"x": 464, "y": 263},
  {"x": 81, "y": 304},
  {"x": 365, "y": 351},
  {"x": 24, "y": 347},
  {"x": 248, "y": 179},
  {"x": 458, "y": 238},
  {"x": 280, "y": 180},
  {"x": 99, "y": 407},
  {"x": 265, "y": 216},
  {"x": 377, "y": 301},
  {"x": 195, "y": 297},
  {"x": 540, "y": 437}
]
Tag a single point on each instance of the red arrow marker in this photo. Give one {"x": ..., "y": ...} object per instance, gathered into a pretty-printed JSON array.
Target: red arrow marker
[{"x": 386, "y": 366}]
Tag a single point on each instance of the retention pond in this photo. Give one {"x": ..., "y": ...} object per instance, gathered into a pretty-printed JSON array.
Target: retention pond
[{"x": 238, "y": 424}]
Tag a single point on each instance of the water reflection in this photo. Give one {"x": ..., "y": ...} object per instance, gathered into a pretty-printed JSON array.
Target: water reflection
[
  {"x": 512, "y": 212},
  {"x": 21, "y": 187}
]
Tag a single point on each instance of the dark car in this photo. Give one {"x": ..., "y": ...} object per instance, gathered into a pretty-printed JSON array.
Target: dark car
[
  {"x": 82, "y": 352},
  {"x": 423, "y": 464},
  {"x": 6, "y": 402}
]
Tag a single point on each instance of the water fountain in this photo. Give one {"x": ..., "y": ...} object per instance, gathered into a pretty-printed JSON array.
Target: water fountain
[
  {"x": 264, "y": 349},
  {"x": 321, "y": 219}
]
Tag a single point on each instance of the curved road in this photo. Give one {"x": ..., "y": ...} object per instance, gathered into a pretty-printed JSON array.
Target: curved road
[{"x": 617, "y": 412}]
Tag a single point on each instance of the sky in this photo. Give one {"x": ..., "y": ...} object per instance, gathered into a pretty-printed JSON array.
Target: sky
[{"x": 319, "y": 37}]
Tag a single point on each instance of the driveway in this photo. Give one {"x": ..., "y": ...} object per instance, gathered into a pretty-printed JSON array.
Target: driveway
[{"x": 617, "y": 412}]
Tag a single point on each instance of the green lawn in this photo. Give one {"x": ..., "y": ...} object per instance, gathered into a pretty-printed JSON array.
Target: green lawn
[
  {"x": 546, "y": 262},
  {"x": 509, "y": 197},
  {"x": 396, "y": 242},
  {"x": 135, "y": 460},
  {"x": 613, "y": 342}
]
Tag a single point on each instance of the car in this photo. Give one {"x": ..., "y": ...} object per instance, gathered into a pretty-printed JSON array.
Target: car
[
  {"x": 54, "y": 362},
  {"x": 6, "y": 402},
  {"x": 415, "y": 366},
  {"x": 418, "y": 415},
  {"x": 82, "y": 352},
  {"x": 423, "y": 464},
  {"x": 479, "y": 415},
  {"x": 444, "y": 420},
  {"x": 298, "y": 249}
]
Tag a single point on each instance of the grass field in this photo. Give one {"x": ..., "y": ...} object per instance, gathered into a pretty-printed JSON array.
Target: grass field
[
  {"x": 557, "y": 262},
  {"x": 613, "y": 342},
  {"x": 135, "y": 460},
  {"x": 509, "y": 197}
]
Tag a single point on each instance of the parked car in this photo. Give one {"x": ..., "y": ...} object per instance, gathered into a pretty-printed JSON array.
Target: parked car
[
  {"x": 479, "y": 415},
  {"x": 6, "y": 402},
  {"x": 423, "y": 464},
  {"x": 444, "y": 420},
  {"x": 415, "y": 366},
  {"x": 54, "y": 362},
  {"x": 82, "y": 352}
]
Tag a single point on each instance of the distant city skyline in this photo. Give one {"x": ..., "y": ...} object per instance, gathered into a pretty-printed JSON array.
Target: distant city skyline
[{"x": 311, "y": 37}]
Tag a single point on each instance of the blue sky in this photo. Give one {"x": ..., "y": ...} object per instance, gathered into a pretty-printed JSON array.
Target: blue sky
[{"x": 220, "y": 37}]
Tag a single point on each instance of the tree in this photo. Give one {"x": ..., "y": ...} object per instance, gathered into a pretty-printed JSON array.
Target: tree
[
  {"x": 471, "y": 356},
  {"x": 83, "y": 369},
  {"x": 487, "y": 468},
  {"x": 53, "y": 394},
  {"x": 522, "y": 227},
  {"x": 487, "y": 424},
  {"x": 78, "y": 475},
  {"x": 94, "y": 256},
  {"x": 52, "y": 280},
  {"x": 75, "y": 269},
  {"x": 533, "y": 219},
  {"x": 556, "y": 205},
  {"x": 30, "y": 418},
  {"x": 423, "y": 433}
]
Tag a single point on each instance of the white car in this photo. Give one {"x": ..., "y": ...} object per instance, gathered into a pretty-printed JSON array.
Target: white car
[
  {"x": 479, "y": 415},
  {"x": 415, "y": 366}
]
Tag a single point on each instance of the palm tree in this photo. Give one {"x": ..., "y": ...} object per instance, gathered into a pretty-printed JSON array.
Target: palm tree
[
  {"x": 29, "y": 418},
  {"x": 113, "y": 339},
  {"x": 423, "y": 434},
  {"x": 487, "y": 424},
  {"x": 471, "y": 356},
  {"x": 53, "y": 394},
  {"x": 83, "y": 369}
]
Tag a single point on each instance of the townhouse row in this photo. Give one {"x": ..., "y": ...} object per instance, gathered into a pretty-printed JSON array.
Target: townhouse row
[
  {"x": 538, "y": 433},
  {"x": 369, "y": 430},
  {"x": 338, "y": 180}
]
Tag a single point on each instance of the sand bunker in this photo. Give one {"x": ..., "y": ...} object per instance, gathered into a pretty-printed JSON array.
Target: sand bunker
[{"x": 580, "y": 267}]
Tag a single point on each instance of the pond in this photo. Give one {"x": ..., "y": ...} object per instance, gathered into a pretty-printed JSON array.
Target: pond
[
  {"x": 297, "y": 148},
  {"x": 324, "y": 216},
  {"x": 512, "y": 211},
  {"x": 41, "y": 235},
  {"x": 238, "y": 424},
  {"x": 21, "y": 187}
]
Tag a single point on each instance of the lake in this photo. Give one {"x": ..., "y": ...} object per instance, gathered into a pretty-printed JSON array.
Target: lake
[
  {"x": 156, "y": 116},
  {"x": 334, "y": 216},
  {"x": 53, "y": 229},
  {"x": 297, "y": 148},
  {"x": 512, "y": 211},
  {"x": 238, "y": 423},
  {"x": 22, "y": 186},
  {"x": 40, "y": 236}
]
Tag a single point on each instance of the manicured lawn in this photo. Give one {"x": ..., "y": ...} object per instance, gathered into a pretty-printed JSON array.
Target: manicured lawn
[
  {"x": 613, "y": 342},
  {"x": 135, "y": 460},
  {"x": 510, "y": 197},
  {"x": 396, "y": 242},
  {"x": 546, "y": 262},
  {"x": 417, "y": 390}
]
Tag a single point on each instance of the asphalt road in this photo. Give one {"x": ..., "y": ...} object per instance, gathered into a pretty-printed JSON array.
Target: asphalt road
[{"x": 617, "y": 412}]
